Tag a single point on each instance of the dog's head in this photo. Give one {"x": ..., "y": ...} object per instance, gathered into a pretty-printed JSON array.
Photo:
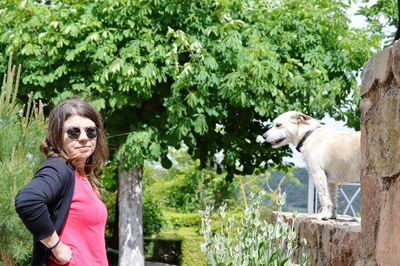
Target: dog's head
[{"x": 288, "y": 128}]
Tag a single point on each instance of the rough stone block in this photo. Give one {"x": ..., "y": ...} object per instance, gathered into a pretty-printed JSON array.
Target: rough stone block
[
  {"x": 331, "y": 242},
  {"x": 380, "y": 149}
]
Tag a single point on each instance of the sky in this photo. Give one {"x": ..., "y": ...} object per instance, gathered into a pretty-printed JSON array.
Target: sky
[{"x": 357, "y": 21}]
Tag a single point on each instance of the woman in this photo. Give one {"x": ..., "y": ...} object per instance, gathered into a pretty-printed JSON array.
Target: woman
[{"x": 61, "y": 205}]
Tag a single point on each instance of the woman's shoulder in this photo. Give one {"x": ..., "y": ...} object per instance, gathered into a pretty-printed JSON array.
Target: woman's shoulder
[
  {"x": 56, "y": 162},
  {"x": 59, "y": 165}
]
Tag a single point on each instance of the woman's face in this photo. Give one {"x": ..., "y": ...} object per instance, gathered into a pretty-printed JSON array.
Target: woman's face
[{"x": 76, "y": 141}]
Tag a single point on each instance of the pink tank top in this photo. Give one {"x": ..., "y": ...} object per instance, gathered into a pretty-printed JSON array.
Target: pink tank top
[{"x": 84, "y": 227}]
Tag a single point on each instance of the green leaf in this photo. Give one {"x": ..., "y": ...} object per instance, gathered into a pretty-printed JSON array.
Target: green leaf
[
  {"x": 61, "y": 70},
  {"x": 99, "y": 104},
  {"x": 200, "y": 124},
  {"x": 116, "y": 65},
  {"x": 155, "y": 150},
  {"x": 243, "y": 99},
  {"x": 210, "y": 62},
  {"x": 192, "y": 99},
  {"x": 54, "y": 24},
  {"x": 113, "y": 102},
  {"x": 72, "y": 30},
  {"x": 94, "y": 36},
  {"x": 149, "y": 71},
  {"x": 27, "y": 49}
]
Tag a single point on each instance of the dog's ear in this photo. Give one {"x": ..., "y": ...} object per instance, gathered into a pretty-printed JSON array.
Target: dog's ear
[{"x": 301, "y": 118}]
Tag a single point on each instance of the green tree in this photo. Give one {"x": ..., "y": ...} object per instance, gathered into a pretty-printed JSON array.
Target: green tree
[
  {"x": 381, "y": 17},
  {"x": 201, "y": 72},
  {"x": 21, "y": 132}
]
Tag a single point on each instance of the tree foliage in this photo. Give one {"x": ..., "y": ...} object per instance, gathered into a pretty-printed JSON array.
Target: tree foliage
[
  {"x": 21, "y": 132},
  {"x": 381, "y": 16},
  {"x": 202, "y": 72}
]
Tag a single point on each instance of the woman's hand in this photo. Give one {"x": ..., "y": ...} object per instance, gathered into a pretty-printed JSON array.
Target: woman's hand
[{"x": 61, "y": 254}]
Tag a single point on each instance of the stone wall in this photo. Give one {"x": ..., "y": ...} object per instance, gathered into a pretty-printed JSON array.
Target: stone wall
[
  {"x": 377, "y": 240},
  {"x": 332, "y": 242},
  {"x": 380, "y": 162}
]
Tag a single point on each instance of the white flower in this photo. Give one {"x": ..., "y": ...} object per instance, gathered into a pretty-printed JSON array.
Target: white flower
[
  {"x": 219, "y": 156},
  {"x": 220, "y": 129},
  {"x": 260, "y": 139}
]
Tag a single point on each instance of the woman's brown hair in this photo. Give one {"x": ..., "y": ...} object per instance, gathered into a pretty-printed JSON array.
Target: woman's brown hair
[{"x": 52, "y": 146}]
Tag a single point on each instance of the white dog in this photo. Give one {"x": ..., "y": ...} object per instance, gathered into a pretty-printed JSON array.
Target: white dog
[{"x": 332, "y": 157}]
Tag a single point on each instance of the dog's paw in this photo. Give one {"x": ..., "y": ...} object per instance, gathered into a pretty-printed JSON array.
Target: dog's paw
[
  {"x": 323, "y": 216},
  {"x": 326, "y": 215}
]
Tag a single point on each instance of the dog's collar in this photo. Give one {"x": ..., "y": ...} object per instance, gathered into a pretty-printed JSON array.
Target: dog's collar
[{"x": 308, "y": 133}]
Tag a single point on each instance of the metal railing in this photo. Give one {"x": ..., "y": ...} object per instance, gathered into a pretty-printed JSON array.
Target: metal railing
[{"x": 346, "y": 197}]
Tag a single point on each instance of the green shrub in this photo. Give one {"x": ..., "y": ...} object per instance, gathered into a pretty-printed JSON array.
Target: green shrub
[
  {"x": 185, "y": 187},
  {"x": 191, "y": 252},
  {"x": 255, "y": 242},
  {"x": 192, "y": 189},
  {"x": 21, "y": 132},
  {"x": 162, "y": 250},
  {"x": 153, "y": 218},
  {"x": 190, "y": 239},
  {"x": 177, "y": 220}
]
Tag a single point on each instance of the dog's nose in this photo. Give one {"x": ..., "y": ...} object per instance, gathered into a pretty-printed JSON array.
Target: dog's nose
[{"x": 265, "y": 135}]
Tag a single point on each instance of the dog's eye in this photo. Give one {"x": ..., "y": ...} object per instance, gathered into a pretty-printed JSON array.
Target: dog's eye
[{"x": 278, "y": 125}]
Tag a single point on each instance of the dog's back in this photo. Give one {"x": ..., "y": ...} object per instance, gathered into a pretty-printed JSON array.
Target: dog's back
[{"x": 337, "y": 153}]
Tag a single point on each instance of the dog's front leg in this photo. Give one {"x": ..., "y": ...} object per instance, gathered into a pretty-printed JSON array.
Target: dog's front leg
[{"x": 321, "y": 185}]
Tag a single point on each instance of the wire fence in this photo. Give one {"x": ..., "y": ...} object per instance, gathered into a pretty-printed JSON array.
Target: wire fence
[{"x": 348, "y": 199}]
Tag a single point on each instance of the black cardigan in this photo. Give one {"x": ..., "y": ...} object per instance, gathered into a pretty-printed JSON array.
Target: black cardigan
[{"x": 43, "y": 204}]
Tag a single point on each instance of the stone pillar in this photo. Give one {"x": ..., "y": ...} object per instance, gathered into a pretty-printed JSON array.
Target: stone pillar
[{"x": 380, "y": 158}]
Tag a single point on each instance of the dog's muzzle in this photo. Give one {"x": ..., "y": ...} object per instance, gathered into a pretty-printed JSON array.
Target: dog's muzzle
[
  {"x": 272, "y": 142},
  {"x": 276, "y": 142}
]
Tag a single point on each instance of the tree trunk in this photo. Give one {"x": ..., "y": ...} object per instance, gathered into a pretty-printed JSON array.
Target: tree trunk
[
  {"x": 130, "y": 217},
  {"x": 115, "y": 227}
]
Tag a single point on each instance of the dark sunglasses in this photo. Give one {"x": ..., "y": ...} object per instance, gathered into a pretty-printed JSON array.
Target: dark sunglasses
[{"x": 75, "y": 132}]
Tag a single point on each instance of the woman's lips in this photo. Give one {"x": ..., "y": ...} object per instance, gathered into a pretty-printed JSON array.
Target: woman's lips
[{"x": 83, "y": 148}]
